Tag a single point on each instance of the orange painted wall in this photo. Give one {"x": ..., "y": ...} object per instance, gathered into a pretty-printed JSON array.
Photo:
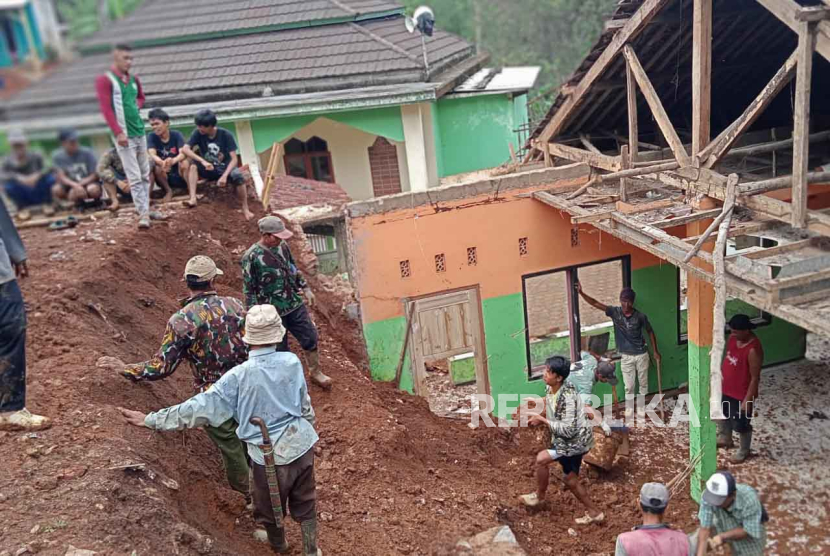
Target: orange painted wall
[{"x": 492, "y": 227}]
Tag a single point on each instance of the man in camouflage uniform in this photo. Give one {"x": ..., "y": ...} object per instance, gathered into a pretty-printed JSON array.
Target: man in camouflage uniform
[
  {"x": 207, "y": 332},
  {"x": 270, "y": 277}
]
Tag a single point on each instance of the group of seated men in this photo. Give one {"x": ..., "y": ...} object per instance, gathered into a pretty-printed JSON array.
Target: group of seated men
[{"x": 78, "y": 177}]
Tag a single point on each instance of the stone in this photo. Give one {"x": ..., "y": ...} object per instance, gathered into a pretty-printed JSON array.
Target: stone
[
  {"x": 498, "y": 541},
  {"x": 35, "y": 530},
  {"x": 326, "y": 516},
  {"x": 261, "y": 535},
  {"x": 72, "y": 551}
]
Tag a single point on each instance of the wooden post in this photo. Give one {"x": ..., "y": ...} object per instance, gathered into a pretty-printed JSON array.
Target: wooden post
[
  {"x": 801, "y": 127},
  {"x": 633, "y": 125},
  {"x": 701, "y": 75},
  {"x": 625, "y": 159}
]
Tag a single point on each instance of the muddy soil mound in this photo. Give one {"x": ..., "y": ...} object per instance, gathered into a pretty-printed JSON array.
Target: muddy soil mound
[{"x": 392, "y": 477}]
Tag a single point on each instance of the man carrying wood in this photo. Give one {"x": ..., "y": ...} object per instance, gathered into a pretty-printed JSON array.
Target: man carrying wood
[
  {"x": 207, "y": 332},
  {"x": 629, "y": 325},
  {"x": 654, "y": 536},
  {"x": 741, "y": 369},
  {"x": 271, "y": 386},
  {"x": 270, "y": 277},
  {"x": 571, "y": 438}
]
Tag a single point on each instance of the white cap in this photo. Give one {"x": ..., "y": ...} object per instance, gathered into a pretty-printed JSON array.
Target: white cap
[{"x": 718, "y": 488}]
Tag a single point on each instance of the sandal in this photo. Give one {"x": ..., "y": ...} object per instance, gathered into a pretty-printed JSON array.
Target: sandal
[{"x": 64, "y": 223}]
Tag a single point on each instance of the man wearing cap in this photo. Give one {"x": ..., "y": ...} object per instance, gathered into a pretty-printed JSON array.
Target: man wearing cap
[
  {"x": 654, "y": 537},
  {"x": 13, "y": 412},
  {"x": 730, "y": 513},
  {"x": 24, "y": 175},
  {"x": 76, "y": 170},
  {"x": 271, "y": 277},
  {"x": 207, "y": 332},
  {"x": 741, "y": 370},
  {"x": 629, "y": 325},
  {"x": 271, "y": 386}
]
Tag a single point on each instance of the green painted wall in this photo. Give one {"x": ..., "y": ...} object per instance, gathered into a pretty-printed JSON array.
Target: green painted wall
[
  {"x": 385, "y": 122},
  {"x": 506, "y": 343},
  {"x": 475, "y": 132}
]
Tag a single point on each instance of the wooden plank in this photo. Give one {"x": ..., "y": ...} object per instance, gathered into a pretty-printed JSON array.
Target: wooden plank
[
  {"x": 627, "y": 208},
  {"x": 586, "y": 142},
  {"x": 633, "y": 123},
  {"x": 801, "y": 127},
  {"x": 603, "y": 161},
  {"x": 813, "y": 14},
  {"x": 786, "y": 11},
  {"x": 718, "y": 148},
  {"x": 783, "y": 182},
  {"x": 635, "y": 24},
  {"x": 595, "y": 217},
  {"x": 625, "y": 163},
  {"x": 680, "y": 220},
  {"x": 656, "y": 106},
  {"x": 701, "y": 74},
  {"x": 725, "y": 216},
  {"x": 773, "y": 251}
]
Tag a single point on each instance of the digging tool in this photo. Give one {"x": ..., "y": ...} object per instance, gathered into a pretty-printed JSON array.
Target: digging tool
[
  {"x": 399, "y": 371},
  {"x": 271, "y": 472},
  {"x": 660, "y": 389}
]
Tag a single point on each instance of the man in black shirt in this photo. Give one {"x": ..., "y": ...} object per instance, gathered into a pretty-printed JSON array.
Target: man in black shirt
[
  {"x": 629, "y": 324},
  {"x": 25, "y": 178},
  {"x": 164, "y": 146},
  {"x": 213, "y": 152}
]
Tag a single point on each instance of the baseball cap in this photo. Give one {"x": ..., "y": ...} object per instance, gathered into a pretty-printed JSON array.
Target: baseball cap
[
  {"x": 202, "y": 267},
  {"x": 608, "y": 371},
  {"x": 655, "y": 496},
  {"x": 718, "y": 488},
  {"x": 274, "y": 225},
  {"x": 741, "y": 322},
  {"x": 16, "y": 137},
  {"x": 67, "y": 134}
]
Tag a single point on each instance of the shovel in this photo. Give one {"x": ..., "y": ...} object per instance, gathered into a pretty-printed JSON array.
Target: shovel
[{"x": 270, "y": 470}]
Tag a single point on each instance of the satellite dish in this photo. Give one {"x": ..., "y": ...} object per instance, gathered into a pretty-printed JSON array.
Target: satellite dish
[{"x": 422, "y": 20}]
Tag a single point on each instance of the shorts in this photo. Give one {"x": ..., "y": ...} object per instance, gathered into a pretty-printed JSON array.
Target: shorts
[
  {"x": 741, "y": 421},
  {"x": 235, "y": 178},
  {"x": 175, "y": 180},
  {"x": 570, "y": 464}
]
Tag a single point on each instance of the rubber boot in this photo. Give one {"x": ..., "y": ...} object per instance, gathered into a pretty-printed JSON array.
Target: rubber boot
[
  {"x": 317, "y": 376},
  {"x": 309, "y": 528},
  {"x": 725, "y": 434},
  {"x": 276, "y": 538},
  {"x": 743, "y": 452}
]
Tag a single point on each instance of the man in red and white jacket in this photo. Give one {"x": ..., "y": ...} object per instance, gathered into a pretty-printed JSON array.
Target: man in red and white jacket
[
  {"x": 741, "y": 369},
  {"x": 120, "y": 97}
]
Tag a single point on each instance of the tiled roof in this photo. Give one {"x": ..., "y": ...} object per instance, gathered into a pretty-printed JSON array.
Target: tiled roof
[
  {"x": 326, "y": 57},
  {"x": 172, "y": 20},
  {"x": 290, "y": 191}
]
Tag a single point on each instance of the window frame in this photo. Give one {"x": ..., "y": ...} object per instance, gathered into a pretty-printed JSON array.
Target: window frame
[
  {"x": 307, "y": 158},
  {"x": 683, "y": 339},
  {"x": 571, "y": 275}
]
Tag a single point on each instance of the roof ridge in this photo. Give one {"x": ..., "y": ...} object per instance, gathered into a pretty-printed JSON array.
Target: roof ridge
[{"x": 389, "y": 44}]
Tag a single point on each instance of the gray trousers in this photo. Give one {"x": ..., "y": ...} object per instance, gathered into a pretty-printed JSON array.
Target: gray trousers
[{"x": 136, "y": 164}]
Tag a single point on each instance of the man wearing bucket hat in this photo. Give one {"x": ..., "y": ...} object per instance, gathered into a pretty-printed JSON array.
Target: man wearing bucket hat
[
  {"x": 741, "y": 370},
  {"x": 730, "y": 513},
  {"x": 207, "y": 332},
  {"x": 271, "y": 386},
  {"x": 271, "y": 277},
  {"x": 654, "y": 536}
]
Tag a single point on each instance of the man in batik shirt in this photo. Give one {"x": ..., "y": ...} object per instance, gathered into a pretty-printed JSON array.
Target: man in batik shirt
[{"x": 207, "y": 332}]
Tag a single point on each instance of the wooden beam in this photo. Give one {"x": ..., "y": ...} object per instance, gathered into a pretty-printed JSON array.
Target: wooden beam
[
  {"x": 718, "y": 148},
  {"x": 773, "y": 251},
  {"x": 701, "y": 74},
  {"x": 634, "y": 172},
  {"x": 681, "y": 220},
  {"x": 725, "y": 216},
  {"x": 783, "y": 182},
  {"x": 656, "y": 106},
  {"x": 635, "y": 24},
  {"x": 633, "y": 124},
  {"x": 763, "y": 148},
  {"x": 636, "y": 208},
  {"x": 594, "y": 217},
  {"x": 603, "y": 161},
  {"x": 813, "y": 14},
  {"x": 801, "y": 128},
  {"x": 586, "y": 142},
  {"x": 786, "y": 11},
  {"x": 625, "y": 163}
]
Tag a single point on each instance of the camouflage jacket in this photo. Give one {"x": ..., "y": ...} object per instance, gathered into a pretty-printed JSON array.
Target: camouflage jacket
[
  {"x": 110, "y": 169},
  {"x": 571, "y": 433},
  {"x": 264, "y": 283},
  {"x": 207, "y": 332}
]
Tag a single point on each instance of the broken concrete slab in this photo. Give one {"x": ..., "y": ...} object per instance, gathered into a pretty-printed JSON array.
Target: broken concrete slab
[{"x": 498, "y": 541}]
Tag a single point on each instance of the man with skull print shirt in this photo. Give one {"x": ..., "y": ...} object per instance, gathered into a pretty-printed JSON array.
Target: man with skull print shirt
[{"x": 215, "y": 159}]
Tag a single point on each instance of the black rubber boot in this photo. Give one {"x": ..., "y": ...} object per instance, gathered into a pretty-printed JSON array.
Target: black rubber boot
[
  {"x": 276, "y": 537},
  {"x": 309, "y": 528}
]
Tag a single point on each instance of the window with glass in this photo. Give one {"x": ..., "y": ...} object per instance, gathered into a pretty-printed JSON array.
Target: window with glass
[{"x": 310, "y": 159}]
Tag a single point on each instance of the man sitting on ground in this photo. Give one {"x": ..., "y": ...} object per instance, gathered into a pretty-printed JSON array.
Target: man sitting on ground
[
  {"x": 165, "y": 148},
  {"x": 111, "y": 172},
  {"x": 215, "y": 159},
  {"x": 75, "y": 169},
  {"x": 571, "y": 438},
  {"x": 24, "y": 175},
  {"x": 734, "y": 513},
  {"x": 654, "y": 537},
  {"x": 271, "y": 386}
]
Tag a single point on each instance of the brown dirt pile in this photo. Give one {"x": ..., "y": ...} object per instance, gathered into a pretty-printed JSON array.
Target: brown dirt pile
[{"x": 393, "y": 478}]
